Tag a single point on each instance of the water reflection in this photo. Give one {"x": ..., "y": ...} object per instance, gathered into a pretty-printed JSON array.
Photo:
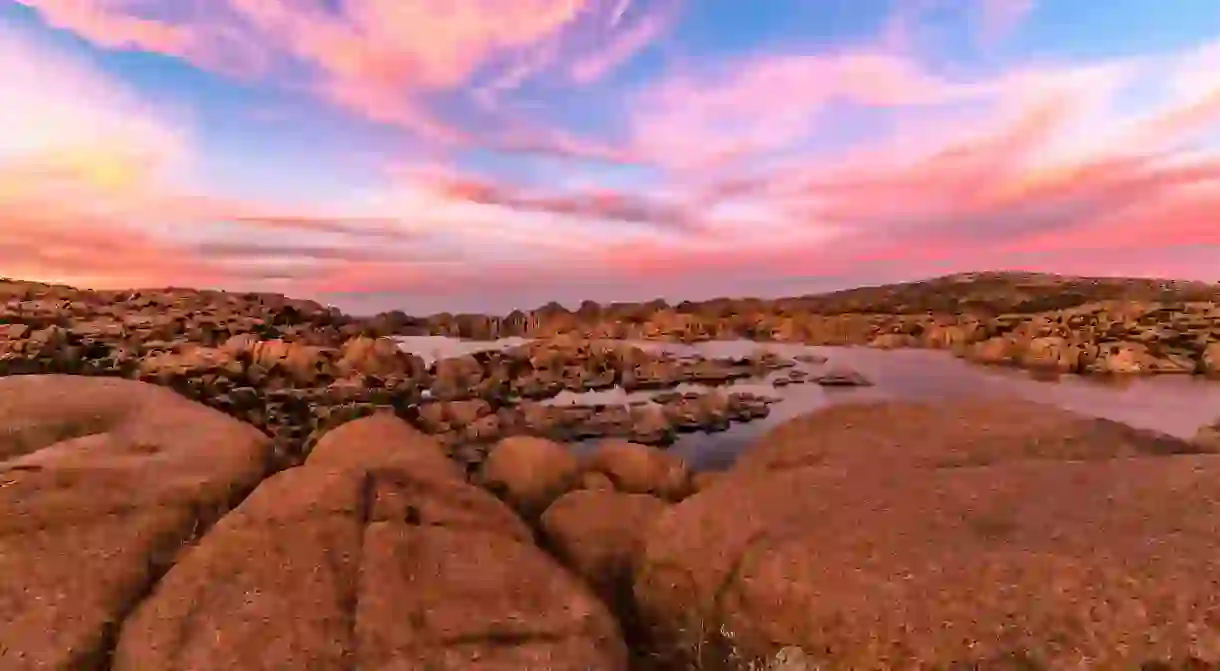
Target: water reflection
[{"x": 1177, "y": 405}]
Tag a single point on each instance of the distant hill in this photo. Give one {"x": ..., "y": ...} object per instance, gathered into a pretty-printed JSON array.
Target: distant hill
[
  {"x": 982, "y": 292},
  {"x": 998, "y": 292}
]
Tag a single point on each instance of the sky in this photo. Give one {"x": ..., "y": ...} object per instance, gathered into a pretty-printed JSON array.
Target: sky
[{"x": 487, "y": 155}]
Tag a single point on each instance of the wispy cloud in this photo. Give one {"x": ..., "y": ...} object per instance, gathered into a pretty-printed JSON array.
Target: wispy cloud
[
  {"x": 601, "y": 204},
  {"x": 771, "y": 101},
  {"x": 636, "y": 34},
  {"x": 386, "y": 60}
]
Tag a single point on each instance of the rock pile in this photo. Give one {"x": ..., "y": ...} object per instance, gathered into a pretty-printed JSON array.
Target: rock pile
[
  {"x": 475, "y": 423},
  {"x": 290, "y": 367},
  {"x": 373, "y": 554},
  {"x": 541, "y": 369},
  {"x": 294, "y": 369}
]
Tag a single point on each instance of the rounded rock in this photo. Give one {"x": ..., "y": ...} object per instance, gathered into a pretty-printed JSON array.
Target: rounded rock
[
  {"x": 640, "y": 469},
  {"x": 530, "y": 473},
  {"x": 103, "y": 482}
]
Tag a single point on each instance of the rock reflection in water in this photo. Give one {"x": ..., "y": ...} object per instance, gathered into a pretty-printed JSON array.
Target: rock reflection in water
[{"x": 1177, "y": 405}]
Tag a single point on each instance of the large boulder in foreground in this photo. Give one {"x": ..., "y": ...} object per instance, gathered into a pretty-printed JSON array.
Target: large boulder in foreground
[
  {"x": 969, "y": 433},
  {"x": 907, "y": 561},
  {"x": 374, "y": 554},
  {"x": 103, "y": 482}
]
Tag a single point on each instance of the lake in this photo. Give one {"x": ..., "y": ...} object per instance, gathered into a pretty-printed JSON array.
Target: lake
[{"x": 1177, "y": 405}]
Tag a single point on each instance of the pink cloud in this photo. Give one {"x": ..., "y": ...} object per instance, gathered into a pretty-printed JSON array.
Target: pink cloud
[
  {"x": 103, "y": 253},
  {"x": 991, "y": 21},
  {"x": 988, "y": 198},
  {"x": 67, "y": 122},
  {"x": 99, "y": 23},
  {"x": 1054, "y": 167},
  {"x": 60, "y": 240},
  {"x": 772, "y": 101},
  {"x": 94, "y": 188},
  {"x": 383, "y": 59},
  {"x": 606, "y": 204}
]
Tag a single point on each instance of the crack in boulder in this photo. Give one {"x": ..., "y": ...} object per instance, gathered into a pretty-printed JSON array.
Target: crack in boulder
[{"x": 373, "y": 553}]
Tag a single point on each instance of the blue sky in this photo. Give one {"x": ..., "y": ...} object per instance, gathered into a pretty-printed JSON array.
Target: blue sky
[{"x": 482, "y": 155}]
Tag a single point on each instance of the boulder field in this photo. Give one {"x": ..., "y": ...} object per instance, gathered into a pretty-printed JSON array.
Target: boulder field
[
  {"x": 142, "y": 530},
  {"x": 294, "y": 368}
]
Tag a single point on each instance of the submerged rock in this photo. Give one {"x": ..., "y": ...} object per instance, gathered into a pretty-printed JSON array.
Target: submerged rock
[{"x": 842, "y": 377}]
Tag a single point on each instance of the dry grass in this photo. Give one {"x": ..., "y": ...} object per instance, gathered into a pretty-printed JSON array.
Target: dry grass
[
  {"x": 719, "y": 652},
  {"x": 790, "y": 658}
]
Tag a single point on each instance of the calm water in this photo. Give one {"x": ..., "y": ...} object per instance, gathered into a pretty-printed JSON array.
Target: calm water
[
  {"x": 431, "y": 348},
  {"x": 1172, "y": 404}
]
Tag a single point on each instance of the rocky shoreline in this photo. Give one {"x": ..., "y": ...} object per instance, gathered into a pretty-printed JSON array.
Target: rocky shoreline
[
  {"x": 1103, "y": 326},
  {"x": 295, "y": 370}
]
